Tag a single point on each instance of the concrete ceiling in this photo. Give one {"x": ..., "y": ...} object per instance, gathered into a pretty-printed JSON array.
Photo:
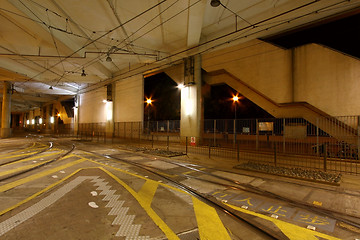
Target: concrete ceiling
[{"x": 50, "y": 43}]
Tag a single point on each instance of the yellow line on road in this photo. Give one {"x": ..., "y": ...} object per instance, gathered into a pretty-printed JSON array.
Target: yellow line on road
[
  {"x": 19, "y": 169},
  {"x": 209, "y": 223},
  {"x": 147, "y": 191},
  {"x": 32, "y": 158},
  {"x": 39, "y": 193},
  {"x": 20, "y": 150},
  {"x": 293, "y": 232},
  {"x": 19, "y": 182},
  {"x": 144, "y": 202}
]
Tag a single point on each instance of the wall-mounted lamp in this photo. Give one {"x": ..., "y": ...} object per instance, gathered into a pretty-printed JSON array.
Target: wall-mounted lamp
[
  {"x": 215, "y": 3},
  {"x": 83, "y": 74},
  {"x": 108, "y": 58}
]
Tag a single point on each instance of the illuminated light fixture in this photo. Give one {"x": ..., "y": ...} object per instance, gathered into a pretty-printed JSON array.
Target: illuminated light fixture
[
  {"x": 51, "y": 88},
  {"x": 58, "y": 114},
  {"x": 108, "y": 59},
  {"x": 104, "y": 101},
  {"x": 109, "y": 111},
  {"x": 83, "y": 74},
  {"x": 28, "y": 122},
  {"x": 40, "y": 121},
  {"x": 51, "y": 119},
  {"x": 180, "y": 86},
  {"x": 148, "y": 101},
  {"x": 235, "y": 98},
  {"x": 215, "y": 3},
  {"x": 32, "y": 121}
]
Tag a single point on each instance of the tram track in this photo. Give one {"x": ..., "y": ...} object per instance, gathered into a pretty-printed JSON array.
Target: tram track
[
  {"x": 226, "y": 210},
  {"x": 37, "y": 166},
  {"x": 256, "y": 190},
  {"x": 28, "y": 156},
  {"x": 235, "y": 185}
]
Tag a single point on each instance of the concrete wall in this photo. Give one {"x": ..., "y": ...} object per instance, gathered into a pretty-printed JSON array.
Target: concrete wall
[
  {"x": 92, "y": 109},
  {"x": 129, "y": 99},
  {"x": 327, "y": 79},
  {"x": 258, "y": 64},
  {"x": 314, "y": 74}
]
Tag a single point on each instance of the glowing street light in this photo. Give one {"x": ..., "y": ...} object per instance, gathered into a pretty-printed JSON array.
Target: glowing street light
[
  {"x": 148, "y": 104},
  {"x": 235, "y": 100}
]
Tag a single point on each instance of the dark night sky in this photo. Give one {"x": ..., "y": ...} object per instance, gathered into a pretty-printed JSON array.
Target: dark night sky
[{"x": 342, "y": 35}]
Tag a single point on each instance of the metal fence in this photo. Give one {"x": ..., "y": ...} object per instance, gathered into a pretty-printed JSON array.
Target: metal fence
[{"x": 328, "y": 144}]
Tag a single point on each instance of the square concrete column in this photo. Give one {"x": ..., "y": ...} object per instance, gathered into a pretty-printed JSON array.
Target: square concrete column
[
  {"x": 6, "y": 111},
  {"x": 191, "y": 108}
]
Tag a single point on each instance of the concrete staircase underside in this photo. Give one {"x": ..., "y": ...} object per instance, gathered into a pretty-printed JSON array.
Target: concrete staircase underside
[{"x": 329, "y": 124}]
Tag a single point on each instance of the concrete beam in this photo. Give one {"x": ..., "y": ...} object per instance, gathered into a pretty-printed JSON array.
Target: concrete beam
[{"x": 195, "y": 22}]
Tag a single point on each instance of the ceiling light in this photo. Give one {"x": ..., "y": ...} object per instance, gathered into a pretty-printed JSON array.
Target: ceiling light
[
  {"x": 108, "y": 59},
  {"x": 215, "y": 3},
  {"x": 83, "y": 74}
]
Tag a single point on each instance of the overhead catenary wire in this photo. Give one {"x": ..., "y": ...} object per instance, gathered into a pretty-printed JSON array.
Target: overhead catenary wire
[{"x": 137, "y": 70}]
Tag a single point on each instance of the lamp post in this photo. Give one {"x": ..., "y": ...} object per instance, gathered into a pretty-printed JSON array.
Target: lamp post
[
  {"x": 148, "y": 104},
  {"x": 235, "y": 100}
]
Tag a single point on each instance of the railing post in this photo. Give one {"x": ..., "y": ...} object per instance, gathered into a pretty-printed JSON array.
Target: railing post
[
  {"x": 325, "y": 157},
  {"x": 152, "y": 141},
  {"x": 284, "y": 139},
  {"x": 257, "y": 134},
  {"x": 167, "y": 143},
  {"x": 214, "y": 133},
  {"x": 209, "y": 149},
  {"x": 275, "y": 159},
  {"x": 238, "y": 152},
  {"x": 317, "y": 137}
]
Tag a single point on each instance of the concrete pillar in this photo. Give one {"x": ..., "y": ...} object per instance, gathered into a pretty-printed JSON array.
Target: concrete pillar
[
  {"x": 6, "y": 111},
  {"x": 76, "y": 114},
  {"x": 191, "y": 109},
  {"x": 110, "y": 108}
]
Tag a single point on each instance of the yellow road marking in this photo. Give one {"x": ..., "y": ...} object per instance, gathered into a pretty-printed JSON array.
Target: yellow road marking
[
  {"x": 145, "y": 204},
  {"x": 11, "y": 185},
  {"x": 20, "y": 150},
  {"x": 213, "y": 229},
  {"x": 30, "y": 153},
  {"x": 19, "y": 169},
  {"x": 134, "y": 175},
  {"x": 39, "y": 193},
  {"x": 147, "y": 191},
  {"x": 32, "y": 158},
  {"x": 293, "y": 232}
]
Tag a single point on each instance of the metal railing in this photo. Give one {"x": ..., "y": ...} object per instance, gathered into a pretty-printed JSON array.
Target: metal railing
[{"x": 327, "y": 144}]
